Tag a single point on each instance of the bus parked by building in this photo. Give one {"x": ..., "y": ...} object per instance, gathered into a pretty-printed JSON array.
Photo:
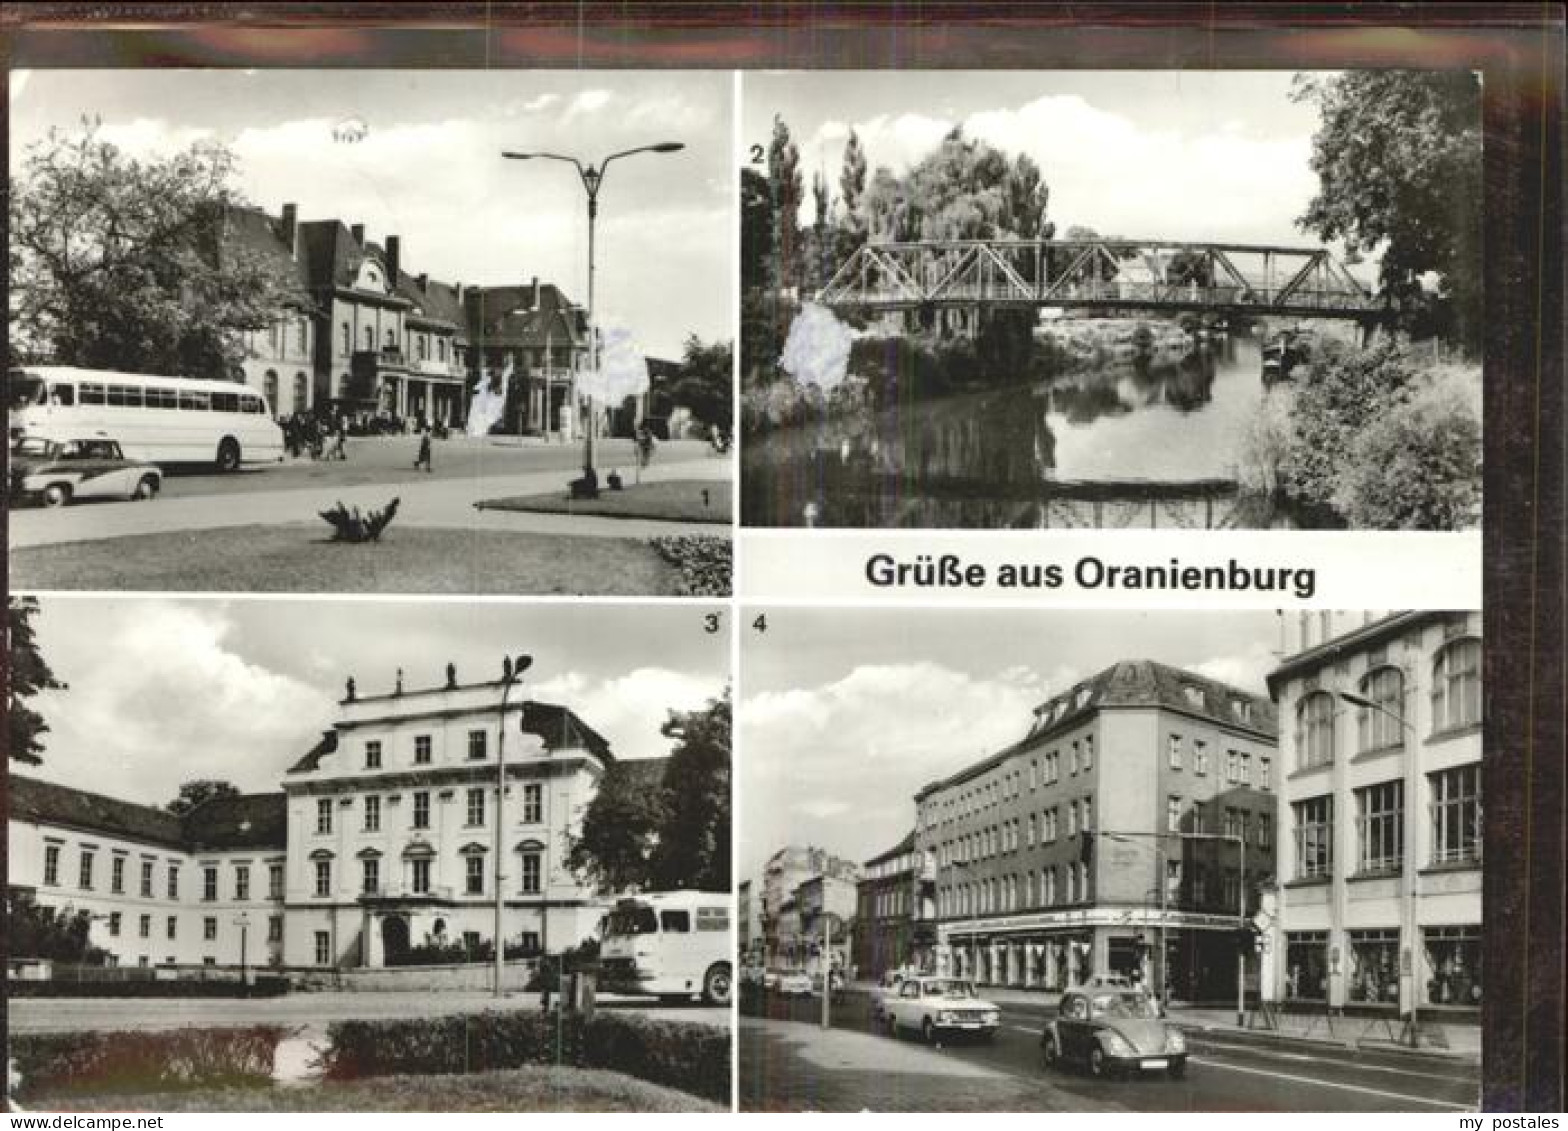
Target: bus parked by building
[
  {"x": 161, "y": 419},
  {"x": 671, "y": 945}
]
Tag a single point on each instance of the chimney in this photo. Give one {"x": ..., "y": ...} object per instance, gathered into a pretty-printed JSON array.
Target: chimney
[
  {"x": 423, "y": 281},
  {"x": 358, "y": 232},
  {"x": 289, "y": 228},
  {"x": 535, "y": 305},
  {"x": 458, "y": 287},
  {"x": 394, "y": 254}
]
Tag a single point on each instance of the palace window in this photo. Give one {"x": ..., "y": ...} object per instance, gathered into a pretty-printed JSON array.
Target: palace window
[
  {"x": 476, "y": 745},
  {"x": 209, "y": 928},
  {"x": 147, "y": 879},
  {"x": 85, "y": 871},
  {"x": 274, "y": 928},
  {"x": 1314, "y": 837},
  {"x": 531, "y": 873},
  {"x": 422, "y": 809},
  {"x": 476, "y": 806},
  {"x": 172, "y": 926},
  {"x": 144, "y": 926},
  {"x": 323, "y": 878},
  {"x": 1173, "y": 754},
  {"x": 274, "y": 881},
  {"x": 323, "y": 815},
  {"x": 174, "y": 881},
  {"x": 1456, "y": 685},
  {"x": 533, "y": 804},
  {"x": 1173, "y": 814},
  {"x": 323, "y": 948},
  {"x": 117, "y": 875},
  {"x": 1456, "y": 814},
  {"x": 1380, "y": 820},
  {"x": 209, "y": 884},
  {"x": 373, "y": 754},
  {"x": 241, "y": 882},
  {"x": 419, "y": 876},
  {"x": 474, "y": 874},
  {"x": 1200, "y": 756},
  {"x": 372, "y": 814},
  {"x": 370, "y": 875},
  {"x": 421, "y": 750},
  {"x": 1265, "y": 772},
  {"x": 114, "y": 924}
]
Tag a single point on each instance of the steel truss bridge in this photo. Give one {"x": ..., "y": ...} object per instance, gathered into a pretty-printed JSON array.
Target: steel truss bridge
[{"x": 1145, "y": 275}]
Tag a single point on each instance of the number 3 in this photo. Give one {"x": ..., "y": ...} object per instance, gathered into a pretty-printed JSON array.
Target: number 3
[{"x": 710, "y": 623}]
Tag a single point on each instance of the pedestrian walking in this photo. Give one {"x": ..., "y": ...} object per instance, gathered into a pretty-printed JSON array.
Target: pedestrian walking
[
  {"x": 340, "y": 439},
  {"x": 423, "y": 459}
]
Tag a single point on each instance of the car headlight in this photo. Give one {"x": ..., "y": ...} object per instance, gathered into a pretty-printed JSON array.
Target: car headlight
[
  {"x": 1175, "y": 1041},
  {"x": 1116, "y": 1045},
  {"x": 944, "y": 1018}
]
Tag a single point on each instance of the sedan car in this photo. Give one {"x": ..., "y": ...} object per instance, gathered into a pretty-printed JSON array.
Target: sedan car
[
  {"x": 932, "y": 1005},
  {"x": 794, "y": 983},
  {"x": 57, "y": 471},
  {"x": 1113, "y": 1030}
]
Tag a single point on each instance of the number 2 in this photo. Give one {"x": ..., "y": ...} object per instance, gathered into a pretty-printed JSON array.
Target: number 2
[{"x": 756, "y": 155}]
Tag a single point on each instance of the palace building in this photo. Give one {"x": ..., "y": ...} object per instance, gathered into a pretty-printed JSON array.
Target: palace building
[
  {"x": 383, "y": 840},
  {"x": 1120, "y": 835}
]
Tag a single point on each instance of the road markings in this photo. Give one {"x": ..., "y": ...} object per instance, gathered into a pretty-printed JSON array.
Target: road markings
[
  {"x": 1276, "y": 1055},
  {"x": 1331, "y": 1084}
]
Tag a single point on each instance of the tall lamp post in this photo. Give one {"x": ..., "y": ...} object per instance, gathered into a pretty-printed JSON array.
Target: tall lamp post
[
  {"x": 511, "y": 675},
  {"x": 592, "y": 178},
  {"x": 1412, "y": 1027}
]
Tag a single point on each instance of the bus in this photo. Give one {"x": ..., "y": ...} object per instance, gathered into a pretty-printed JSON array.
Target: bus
[
  {"x": 158, "y": 419},
  {"x": 672, "y": 945}
]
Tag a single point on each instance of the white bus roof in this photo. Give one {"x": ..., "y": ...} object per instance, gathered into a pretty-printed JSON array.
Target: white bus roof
[
  {"x": 74, "y": 373},
  {"x": 683, "y": 896}
]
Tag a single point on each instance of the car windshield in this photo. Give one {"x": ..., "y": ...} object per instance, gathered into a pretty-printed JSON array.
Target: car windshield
[
  {"x": 1132, "y": 1005},
  {"x": 32, "y": 446},
  {"x": 23, "y": 390},
  {"x": 944, "y": 988}
]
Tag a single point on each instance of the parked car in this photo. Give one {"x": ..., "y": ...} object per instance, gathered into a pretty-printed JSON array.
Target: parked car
[
  {"x": 794, "y": 983},
  {"x": 57, "y": 471},
  {"x": 933, "y": 1005},
  {"x": 835, "y": 982},
  {"x": 770, "y": 979},
  {"x": 886, "y": 987},
  {"x": 1113, "y": 1030}
]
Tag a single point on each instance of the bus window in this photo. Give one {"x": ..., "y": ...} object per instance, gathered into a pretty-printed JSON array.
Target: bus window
[
  {"x": 225, "y": 402},
  {"x": 677, "y": 921},
  {"x": 92, "y": 393},
  {"x": 634, "y": 920},
  {"x": 195, "y": 400},
  {"x": 162, "y": 398},
  {"x": 713, "y": 918},
  {"x": 126, "y": 396},
  {"x": 253, "y": 405}
]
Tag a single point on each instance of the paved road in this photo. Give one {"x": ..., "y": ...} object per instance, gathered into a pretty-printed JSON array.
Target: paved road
[
  {"x": 1226, "y": 1072},
  {"x": 466, "y": 471},
  {"x": 311, "y": 1011}
]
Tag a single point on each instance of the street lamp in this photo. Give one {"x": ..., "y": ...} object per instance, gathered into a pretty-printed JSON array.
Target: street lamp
[
  {"x": 592, "y": 178},
  {"x": 511, "y": 674},
  {"x": 1412, "y": 1027}
]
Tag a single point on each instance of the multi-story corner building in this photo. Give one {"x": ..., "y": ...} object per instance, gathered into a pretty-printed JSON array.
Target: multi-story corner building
[
  {"x": 384, "y": 838},
  {"x": 782, "y": 875},
  {"x": 885, "y": 910},
  {"x": 1380, "y": 857},
  {"x": 204, "y": 888},
  {"x": 393, "y": 826},
  {"x": 535, "y": 334},
  {"x": 826, "y": 906},
  {"x": 1086, "y": 848}
]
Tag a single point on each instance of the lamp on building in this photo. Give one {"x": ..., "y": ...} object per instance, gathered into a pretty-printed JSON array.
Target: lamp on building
[
  {"x": 511, "y": 674},
  {"x": 592, "y": 179},
  {"x": 1410, "y": 1033}
]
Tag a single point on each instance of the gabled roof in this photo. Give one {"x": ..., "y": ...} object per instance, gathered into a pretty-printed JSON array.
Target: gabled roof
[
  {"x": 332, "y": 256},
  {"x": 904, "y": 846},
  {"x": 328, "y": 744},
  {"x": 253, "y": 820},
  {"x": 510, "y": 316},
  {"x": 436, "y": 303},
  {"x": 251, "y": 231}
]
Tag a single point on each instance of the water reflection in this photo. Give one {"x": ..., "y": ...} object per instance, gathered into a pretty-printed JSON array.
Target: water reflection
[{"x": 1130, "y": 444}]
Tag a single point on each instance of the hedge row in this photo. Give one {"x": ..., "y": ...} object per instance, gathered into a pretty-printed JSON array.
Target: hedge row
[
  {"x": 261, "y": 987},
  {"x": 64, "y": 1064},
  {"x": 693, "y": 1058}
]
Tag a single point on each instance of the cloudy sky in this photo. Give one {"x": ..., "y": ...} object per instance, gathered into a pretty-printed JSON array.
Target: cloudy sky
[
  {"x": 846, "y": 713},
  {"x": 429, "y": 169},
  {"x": 164, "y": 691},
  {"x": 1174, "y": 155}
]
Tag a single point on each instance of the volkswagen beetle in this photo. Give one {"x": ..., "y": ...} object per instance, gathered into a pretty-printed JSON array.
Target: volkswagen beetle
[{"x": 1113, "y": 1030}]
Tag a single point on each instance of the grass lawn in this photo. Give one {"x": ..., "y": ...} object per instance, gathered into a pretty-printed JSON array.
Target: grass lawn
[
  {"x": 523, "y": 1089},
  {"x": 297, "y": 557},
  {"x": 673, "y": 500}
]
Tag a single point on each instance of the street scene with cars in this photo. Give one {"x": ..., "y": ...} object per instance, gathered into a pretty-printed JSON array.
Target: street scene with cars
[
  {"x": 500, "y": 391},
  {"x": 1064, "y": 879}
]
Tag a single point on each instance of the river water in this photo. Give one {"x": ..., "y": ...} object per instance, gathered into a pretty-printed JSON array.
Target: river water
[{"x": 1123, "y": 445}]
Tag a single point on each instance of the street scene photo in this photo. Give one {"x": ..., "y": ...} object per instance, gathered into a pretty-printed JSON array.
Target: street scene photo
[
  {"x": 1157, "y": 299},
  {"x": 319, "y": 855},
  {"x": 1099, "y": 862},
  {"x": 371, "y": 331}
]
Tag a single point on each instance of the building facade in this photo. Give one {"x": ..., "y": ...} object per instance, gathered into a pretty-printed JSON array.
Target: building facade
[
  {"x": 383, "y": 840},
  {"x": 1380, "y": 861},
  {"x": 162, "y": 890},
  {"x": 826, "y": 906},
  {"x": 778, "y": 917},
  {"x": 885, "y": 910},
  {"x": 1086, "y": 848}
]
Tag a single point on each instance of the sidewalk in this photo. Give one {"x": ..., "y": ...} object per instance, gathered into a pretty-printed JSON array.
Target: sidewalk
[{"x": 788, "y": 1066}]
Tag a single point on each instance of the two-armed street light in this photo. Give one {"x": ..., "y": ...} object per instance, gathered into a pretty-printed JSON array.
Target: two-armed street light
[
  {"x": 511, "y": 675},
  {"x": 592, "y": 177}
]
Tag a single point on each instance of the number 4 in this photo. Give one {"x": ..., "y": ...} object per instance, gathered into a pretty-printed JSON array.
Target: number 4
[{"x": 761, "y": 623}]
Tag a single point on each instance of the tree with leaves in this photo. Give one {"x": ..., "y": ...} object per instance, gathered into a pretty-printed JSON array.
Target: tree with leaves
[
  {"x": 620, "y": 828},
  {"x": 693, "y": 849},
  {"x": 785, "y": 195},
  {"x": 194, "y": 793},
  {"x": 1398, "y": 159},
  {"x": 703, "y": 385},
  {"x": 27, "y": 673},
  {"x": 852, "y": 188},
  {"x": 123, "y": 263},
  {"x": 60, "y": 934}
]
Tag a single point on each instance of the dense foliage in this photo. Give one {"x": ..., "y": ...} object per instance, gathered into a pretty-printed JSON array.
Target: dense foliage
[
  {"x": 1398, "y": 159},
  {"x": 193, "y": 793},
  {"x": 83, "y": 1063},
  {"x": 27, "y": 673},
  {"x": 123, "y": 263},
  {"x": 693, "y": 1058},
  {"x": 60, "y": 934}
]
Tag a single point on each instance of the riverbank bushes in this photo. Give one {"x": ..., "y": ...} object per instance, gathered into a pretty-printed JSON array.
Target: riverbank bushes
[{"x": 1383, "y": 440}]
